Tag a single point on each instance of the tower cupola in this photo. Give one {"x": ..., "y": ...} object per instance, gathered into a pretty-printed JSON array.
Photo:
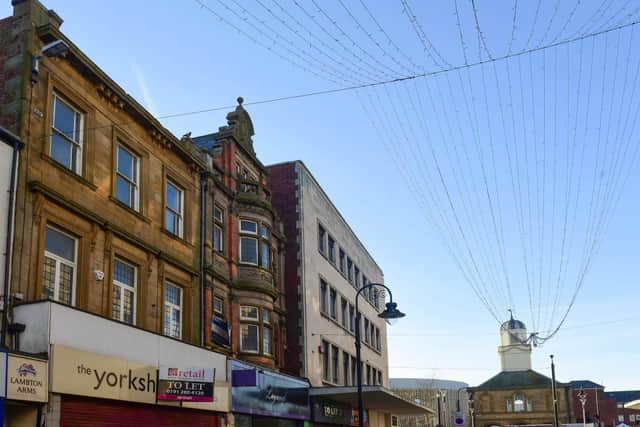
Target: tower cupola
[{"x": 514, "y": 351}]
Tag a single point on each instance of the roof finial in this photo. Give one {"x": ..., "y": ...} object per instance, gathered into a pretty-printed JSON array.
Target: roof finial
[
  {"x": 510, "y": 312},
  {"x": 240, "y": 100}
]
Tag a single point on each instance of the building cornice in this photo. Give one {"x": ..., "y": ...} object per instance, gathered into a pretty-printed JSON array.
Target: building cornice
[{"x": 110, "y": 90}]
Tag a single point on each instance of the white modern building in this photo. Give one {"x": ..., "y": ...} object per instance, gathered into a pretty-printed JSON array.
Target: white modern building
[
  {"x": 326, "y": 265},
  {"x": 331, "y": 265}
]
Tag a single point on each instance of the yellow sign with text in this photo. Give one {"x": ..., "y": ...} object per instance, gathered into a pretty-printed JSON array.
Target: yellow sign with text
[
  {"x": 90, "y": 374},
  {"x": 27, "y": 379}
]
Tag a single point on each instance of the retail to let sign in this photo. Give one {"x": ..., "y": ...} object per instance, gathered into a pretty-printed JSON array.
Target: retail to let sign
[
  {"x": 27, "y": 379},
  {"x": 187, "y": 384}
]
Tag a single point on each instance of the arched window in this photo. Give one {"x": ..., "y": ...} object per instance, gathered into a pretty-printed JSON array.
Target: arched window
[{"x": 518, "y": 403}]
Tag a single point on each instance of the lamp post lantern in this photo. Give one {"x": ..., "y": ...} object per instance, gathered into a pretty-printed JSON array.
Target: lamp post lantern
[
  {"x": 582, "y": 396},
  {"x": 390, "y": 314}
]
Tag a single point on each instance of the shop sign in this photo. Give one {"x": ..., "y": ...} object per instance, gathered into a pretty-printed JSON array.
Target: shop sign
[
  {"x": 27, "y": 379},
  {"x": 327, "y": 411},
  {"x": 262, "y": 392},
  {"x": 89, "y": 374},
  {"x": 186, "y": 384}
]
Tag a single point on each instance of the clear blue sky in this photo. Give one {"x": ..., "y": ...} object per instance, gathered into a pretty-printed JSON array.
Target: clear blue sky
[{"x": 177, "y": 56}]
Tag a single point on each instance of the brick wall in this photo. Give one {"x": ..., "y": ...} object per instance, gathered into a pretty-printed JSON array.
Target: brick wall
[{"x": 282, "y": 182}]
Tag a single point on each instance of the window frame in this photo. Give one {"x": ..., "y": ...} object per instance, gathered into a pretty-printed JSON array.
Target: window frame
[
  {"x": 346, "y": 369},
  {"x": 247, "y": 318},
  {"x": 213, "y": 304},
  {"x": 335, "y": 364},
  {"x": 262, "y": 242},
  {"x": 258, "y": 337},
  {"x": 352, "y": 318},
  {"x": 344, "y": 312},
  {"x": 266, "y": 331},
  {"x": 333, "y": 303},
  {"x": 123, "y": 286},
  {"x": 167, "y": 284},
  {"x": 519, "y": 407},
  {"x": 179, "y": 214},
  {"x": 218, "y": 224},
  {"x": 61, "y": 260},
  {"x": 136, "y": 184},
  {"x": 331, "y": 248},
  {"x": 366, "y": 330},
  {"x": 251, "y": 221},
  {"x": 78, "y": 158},
  {"x": 322, "y": 237},
  {"x": 324, "y": 297},
  {"x": 326, "y": 361}
]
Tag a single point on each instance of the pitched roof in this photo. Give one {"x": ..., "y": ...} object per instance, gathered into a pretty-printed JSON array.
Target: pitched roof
[
  {"x": 624, "y": 396},
  {"x": 511, "y": 379},
  {"x": 584, "y": 384}
]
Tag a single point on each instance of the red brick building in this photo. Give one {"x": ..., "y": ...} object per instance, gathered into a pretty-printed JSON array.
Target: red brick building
[
  {"x": 244, "y": 249},
  {"x": 605, "y": 407}
]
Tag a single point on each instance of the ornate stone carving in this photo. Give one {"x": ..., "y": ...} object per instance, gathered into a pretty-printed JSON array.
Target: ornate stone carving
[
  {"x": 110, "y": 97},
  {"x": 240, "y": 124}
]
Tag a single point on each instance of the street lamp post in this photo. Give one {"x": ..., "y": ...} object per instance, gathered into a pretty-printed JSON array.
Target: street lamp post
[
  {"x": 582, "y": 396},
  {"x": 390, "y": 314},
  {"x": 439, "y": 409}
]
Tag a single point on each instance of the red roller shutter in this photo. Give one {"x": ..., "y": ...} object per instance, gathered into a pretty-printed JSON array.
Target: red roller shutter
[{"x": 87, "y": 412}]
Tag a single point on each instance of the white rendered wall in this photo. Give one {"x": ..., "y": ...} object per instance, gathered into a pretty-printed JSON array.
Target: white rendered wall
[{"x": 316, "y": 207}]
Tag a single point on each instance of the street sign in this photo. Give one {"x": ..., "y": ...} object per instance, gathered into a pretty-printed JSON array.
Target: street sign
[{"x": 458, "y": 419}]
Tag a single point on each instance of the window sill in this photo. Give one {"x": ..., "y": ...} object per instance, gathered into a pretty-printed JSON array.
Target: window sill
[
  {"x": 130, "y": 210},
  {"x": 69, "y": 172},
  {"x": 248, "y": 264},
  {"x": 175, "y": 237}
]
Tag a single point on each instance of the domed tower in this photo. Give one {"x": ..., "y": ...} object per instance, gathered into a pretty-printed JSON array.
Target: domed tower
[{"x": 515, "y": 353}]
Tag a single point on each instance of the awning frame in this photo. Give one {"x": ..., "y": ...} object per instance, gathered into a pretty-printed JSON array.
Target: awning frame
[{"x": 376, "y": 398}]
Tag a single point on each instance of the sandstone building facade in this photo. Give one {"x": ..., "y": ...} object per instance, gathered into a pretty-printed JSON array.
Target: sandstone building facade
[{"x": 518, "y": 395}]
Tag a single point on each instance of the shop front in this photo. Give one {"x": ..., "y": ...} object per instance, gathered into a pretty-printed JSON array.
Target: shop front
[
  {"x": 380, "y": 404},
  {"x": 104, "y": 373},
  {"x": 98, "y": 390},
  {"x": 264, "y": 398},
  {"x": 25, "y": 390}
]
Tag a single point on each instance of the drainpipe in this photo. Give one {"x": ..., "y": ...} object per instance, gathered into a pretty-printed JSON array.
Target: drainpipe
[
  {"x": 17, "y": 146},
  {"x": 204, "y": 178}
]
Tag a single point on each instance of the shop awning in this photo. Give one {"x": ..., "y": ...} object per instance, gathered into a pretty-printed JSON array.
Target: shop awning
[
  {"x": 376, "y": 398},
  {"x": 634, "y": 404}
]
